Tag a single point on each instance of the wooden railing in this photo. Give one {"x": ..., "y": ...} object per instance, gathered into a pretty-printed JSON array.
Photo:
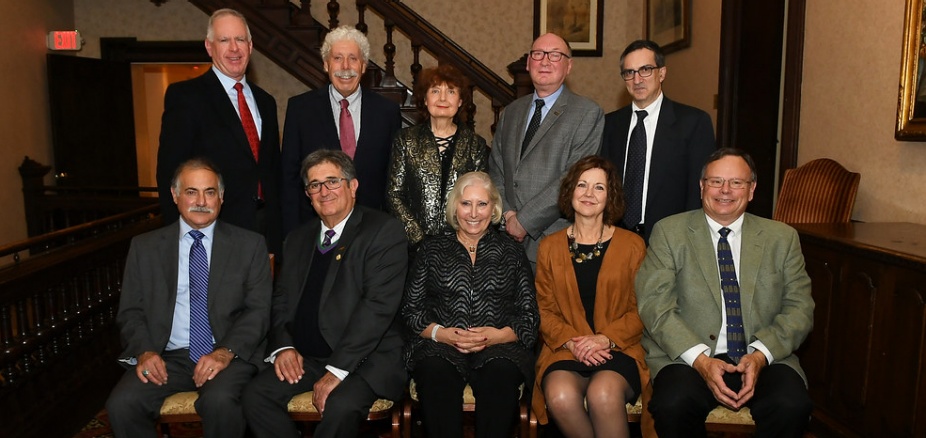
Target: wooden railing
[
  {"x": 58, "y": 343},
  {"x": 289, "y": 35},
  {"x": 52, "y": 208}
]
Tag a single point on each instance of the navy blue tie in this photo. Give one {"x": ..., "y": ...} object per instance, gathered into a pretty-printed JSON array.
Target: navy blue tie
[
  {"x": 200, "y": 331},
  {"x": 736, "y": 337},
  {"x": 533, "y": 125},
  {"x": 634, "y": 172}
]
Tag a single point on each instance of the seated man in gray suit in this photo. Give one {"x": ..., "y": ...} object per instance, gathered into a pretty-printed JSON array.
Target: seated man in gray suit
[
  {"x": 194, "y": 311},
  {"x": 334, "y": 327},
  {"x": 725, "y": 302},
  {"x": 538, "y": 138}
]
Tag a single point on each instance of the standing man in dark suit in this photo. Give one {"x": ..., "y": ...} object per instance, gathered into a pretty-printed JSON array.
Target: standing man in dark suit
[
  {"x": 661, "y": 176},
  {"x": 342, "y": 116},
  {"x": 725, "y": 302},
  {"x": 194, "y": 311},
  {"x": 207, "y": 117},
  {"x": 538, "y": 138},
  {"x": 334, "y": 327}
]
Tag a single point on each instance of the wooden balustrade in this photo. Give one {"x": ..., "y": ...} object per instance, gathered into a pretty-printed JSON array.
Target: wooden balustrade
[{"x": 58, "y": 344}]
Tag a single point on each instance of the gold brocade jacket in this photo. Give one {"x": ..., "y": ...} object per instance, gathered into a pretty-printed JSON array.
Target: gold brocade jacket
[{"x": 415, "y": 187}]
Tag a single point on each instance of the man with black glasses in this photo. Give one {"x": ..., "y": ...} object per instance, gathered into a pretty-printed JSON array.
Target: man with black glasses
[
  {"x": 539, "y": 136},
  {"x": 658, "y": 144}
]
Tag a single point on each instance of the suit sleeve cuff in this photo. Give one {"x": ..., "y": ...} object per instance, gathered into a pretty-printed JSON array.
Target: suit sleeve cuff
[{"x": 758, "y": 345}]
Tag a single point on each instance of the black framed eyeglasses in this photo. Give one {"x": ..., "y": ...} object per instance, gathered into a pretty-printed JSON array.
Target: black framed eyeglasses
[
  {"x": 537, "y": 55},
  {"x": 330, "y": 183},
  {"x": 644, "y": 72}
]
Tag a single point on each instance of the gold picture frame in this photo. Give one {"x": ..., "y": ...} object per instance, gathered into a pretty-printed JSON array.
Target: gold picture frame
[
  {"x": 911, "y": 102},
  {"x": 668, "y": 23},
  {"x": 579, "y": 22}
]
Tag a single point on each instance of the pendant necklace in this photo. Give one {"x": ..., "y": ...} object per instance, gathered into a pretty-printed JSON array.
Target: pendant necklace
[{"x": 574, "y": 247}]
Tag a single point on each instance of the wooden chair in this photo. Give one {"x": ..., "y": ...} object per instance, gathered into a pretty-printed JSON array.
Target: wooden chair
[
  {"x": 526, "y": 427},
  {"x": 821, "y": 191},
  {"x": 179, "y": 408}
]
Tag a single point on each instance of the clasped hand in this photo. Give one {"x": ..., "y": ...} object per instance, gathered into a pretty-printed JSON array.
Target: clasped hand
[
  {"x": 590, "y": 349},
  {"x": 474, "y": 339},
  {"x": 712, "y": 371}
]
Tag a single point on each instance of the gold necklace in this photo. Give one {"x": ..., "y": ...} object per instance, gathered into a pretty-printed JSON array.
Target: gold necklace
[
  {"x": 574, "y": 246},
  {"x": 470, "y": 246}
]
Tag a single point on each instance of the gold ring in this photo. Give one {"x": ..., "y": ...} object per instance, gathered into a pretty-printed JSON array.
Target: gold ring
[{"x": 210, "y": 370}]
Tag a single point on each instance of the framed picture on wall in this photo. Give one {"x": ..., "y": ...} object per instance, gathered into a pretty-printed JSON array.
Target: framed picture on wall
[
  {"x": 911, "y": 104},
  {"x": 668, "y": 23},
  {"x": 579, "y": 22}
]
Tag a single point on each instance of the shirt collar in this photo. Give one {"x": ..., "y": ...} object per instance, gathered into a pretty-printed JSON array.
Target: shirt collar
[
  {"x": 186, "y": 228},
  {"x": 551, "y": 99},
  {"x": 653, "y": 108},
  {"x": 338, "y": 228},
  {"x": 336, "y": 97},
  {"x": 227, "y": 82},
  {"x": 735, "y": 228}
]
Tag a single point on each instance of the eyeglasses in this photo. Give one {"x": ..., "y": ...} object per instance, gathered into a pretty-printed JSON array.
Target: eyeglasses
[
  {"x": 644, "y": 72},
  {"x": 735, "y": 183},
  {"x": 537, "y": 55},
  {"x": 330, "y": 183}
]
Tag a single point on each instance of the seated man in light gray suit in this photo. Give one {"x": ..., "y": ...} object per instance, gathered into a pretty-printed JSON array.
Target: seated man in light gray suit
[
  {"x": 725, "y": 302},
  {"x": 334, "y": 326},
  {"x": 194, "y": 311},
  {"x": 538, "y": 138}
]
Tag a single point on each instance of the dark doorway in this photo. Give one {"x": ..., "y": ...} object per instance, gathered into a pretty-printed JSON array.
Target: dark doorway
[{"x": 93, "y": 131}]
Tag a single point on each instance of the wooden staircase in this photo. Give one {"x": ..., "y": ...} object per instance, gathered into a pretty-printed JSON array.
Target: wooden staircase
[{"x": 290, "y": 36}]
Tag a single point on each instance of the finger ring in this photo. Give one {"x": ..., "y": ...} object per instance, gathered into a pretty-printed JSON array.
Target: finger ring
[
  {"x": 588, "y": 347},
  {"x": 210, "y": 370},
  {"x": 144, "y": 373}
]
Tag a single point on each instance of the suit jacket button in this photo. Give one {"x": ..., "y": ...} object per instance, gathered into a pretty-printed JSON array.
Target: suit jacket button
[
  {"x": 516, "y": 184},
  {"x": 713, "y": 338}
]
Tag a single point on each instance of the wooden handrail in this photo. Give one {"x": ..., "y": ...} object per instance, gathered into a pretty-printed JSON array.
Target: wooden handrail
[{"x": 421, "y": 32}]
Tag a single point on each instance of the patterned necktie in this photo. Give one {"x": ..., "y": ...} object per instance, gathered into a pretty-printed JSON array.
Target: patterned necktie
[
  {"x": 736, "y": 337},
  {"x": 326, "y": 244},
  {"x": 200, "y": 331},
  {"x": 533, "y": 125},
  {"x": 346, "y": 123},
  {"x": 634, "y": 172},
  {"x": 250, "y": 129}
]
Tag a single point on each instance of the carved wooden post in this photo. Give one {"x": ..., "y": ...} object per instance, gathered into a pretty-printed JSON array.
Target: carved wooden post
[
  {"x": 522, "y": 79},
  {"x": 389, "y": 79},
  {"x": 303, "y": 15},
  {"x": 471, "y": 108},
  {"x": 333, "y": 10},
  {"x": 361, "y": 9},
  {"x": 416, "y": 65}
]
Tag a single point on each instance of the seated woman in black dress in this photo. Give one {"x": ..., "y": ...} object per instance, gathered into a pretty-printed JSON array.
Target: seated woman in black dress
[
  {"x": 472, "y": 316},
  {"x": 428, "y": 158},
  {"x": 591, "y": 352}
]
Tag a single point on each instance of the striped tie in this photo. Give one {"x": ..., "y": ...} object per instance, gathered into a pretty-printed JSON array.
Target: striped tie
[
  {"x": 736, "y": 337},
  {"x": 200, "y": 332}
]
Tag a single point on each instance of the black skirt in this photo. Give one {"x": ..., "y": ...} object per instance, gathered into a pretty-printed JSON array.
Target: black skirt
[{"x": 620, "y": 363}]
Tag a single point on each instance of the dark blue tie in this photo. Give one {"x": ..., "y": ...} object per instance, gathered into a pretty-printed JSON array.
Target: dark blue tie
[
  {"x": 533, "y": 125},
  {"x": 736, "y": 337},
  {"x": 200, "y": 331},
  {"x": 634, "y": 172}
]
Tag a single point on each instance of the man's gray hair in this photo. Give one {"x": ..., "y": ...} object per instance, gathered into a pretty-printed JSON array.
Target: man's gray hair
[
  {"x": 333, "y": 156},
  {"x": 210, "y": 34},
  {"x": 194, "y": 164},
  {"x": 343, "y": 33}
]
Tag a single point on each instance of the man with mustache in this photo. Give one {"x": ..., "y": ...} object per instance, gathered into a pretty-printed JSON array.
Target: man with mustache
[
  {"x": 657, "y": 143},
  {"x": 222, "y": 116},
  {"x": 194, "y": 312},
  {"x": 343, "y": 116}
]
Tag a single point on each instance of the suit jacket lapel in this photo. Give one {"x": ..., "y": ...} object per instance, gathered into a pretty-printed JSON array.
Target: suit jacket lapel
[
  {"x": 752, "y": 246},
  {"x": 623, "y": 131},
  {"x": 322, "y": 118},
  {"x": 660, "y": 155},
  {"x": 340, "y": 253},
  {"x": 699, "y": 236},
  {"x": 170, "y": 245},
  {"x": 223, "y": 107},
  {"x": 221, "y": 253},
  {"x": 555, "y": 112}
]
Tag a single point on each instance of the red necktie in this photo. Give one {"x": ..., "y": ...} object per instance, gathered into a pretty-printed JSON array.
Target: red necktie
[
  {"x": 250, "y": 129},
  {"x": 348, "y": 142}
]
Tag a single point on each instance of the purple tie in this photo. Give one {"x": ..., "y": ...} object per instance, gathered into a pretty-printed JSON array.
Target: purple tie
[{"x": 326, "y": 244}]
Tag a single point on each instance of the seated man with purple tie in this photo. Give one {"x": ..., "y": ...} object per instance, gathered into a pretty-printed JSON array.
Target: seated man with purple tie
[
  {"x": 194, "y": 312},
  {"x": 725, "y": 302},
  {"x": 334, "y": 327}
]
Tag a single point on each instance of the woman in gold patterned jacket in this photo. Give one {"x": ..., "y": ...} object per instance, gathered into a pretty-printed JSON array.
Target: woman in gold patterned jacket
[{"x": 428, "y": 158}]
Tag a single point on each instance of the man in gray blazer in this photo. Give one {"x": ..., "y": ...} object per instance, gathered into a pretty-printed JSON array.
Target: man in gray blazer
[
  {"x": 712, "y": 336},
  {"x": 334, "y": 326},
  {"x": 537, "y": 139},
  {"x": 157, "y": 313}
]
